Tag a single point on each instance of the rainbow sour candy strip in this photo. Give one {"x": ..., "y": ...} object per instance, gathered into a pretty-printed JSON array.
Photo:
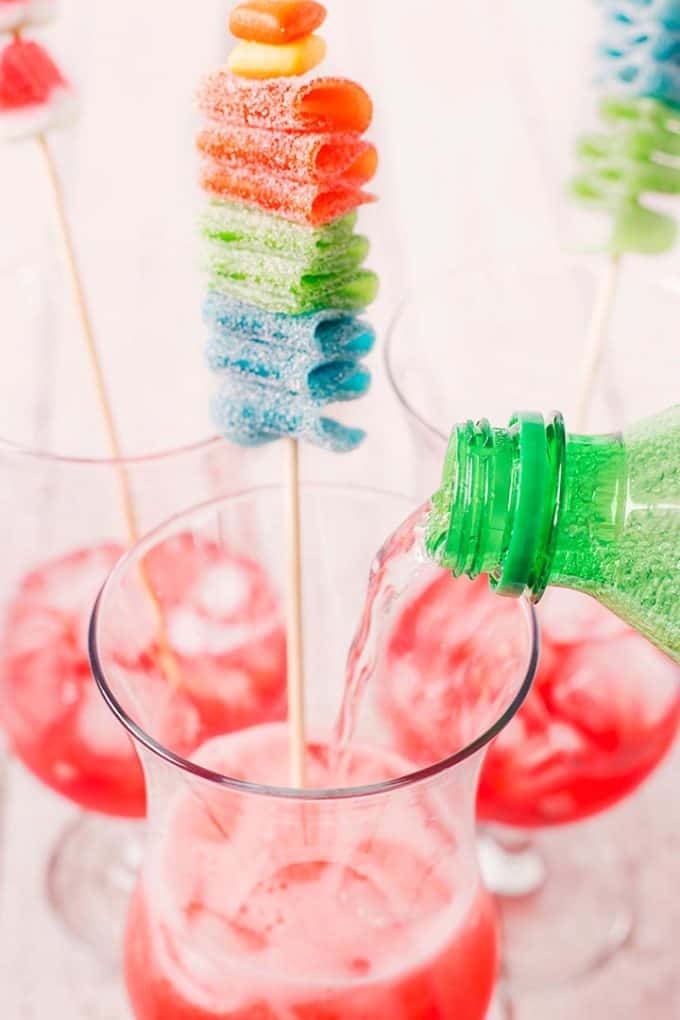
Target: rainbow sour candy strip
[
  {"x": 640, "y": 54},
  {"x": 343, "y": 292},
  {"x": 284, "y": 164},
  {"x": 325, "y": 333},
  {"x": 662, "y": 12},
  {"x": 638, "y": 156},
  {"x": 277, "y": 272},
  {"x": 639, "y": 153},
  {"x": 315, "y": 203},
  {"x": 242, "y": 227},
  {"x": 324, "y": 104},
  {"x": 342, "y": 377},
  {"x": 343, "y": 158},
  {"x": 252, "y": 414}
]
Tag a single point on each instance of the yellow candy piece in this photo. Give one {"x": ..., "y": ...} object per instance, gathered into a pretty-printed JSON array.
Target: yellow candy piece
[{"x": 258, "y": 60}]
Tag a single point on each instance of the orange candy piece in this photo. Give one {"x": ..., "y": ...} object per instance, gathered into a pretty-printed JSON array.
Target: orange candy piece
[
  {"x": 313, "y": 204},
  {"x": 274, "y": 22},
  {"x": 342, "y": 158},
  {"x": 286, "y": 104}
]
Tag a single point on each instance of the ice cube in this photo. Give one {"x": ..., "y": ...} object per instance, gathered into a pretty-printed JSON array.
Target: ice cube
[
  {"x": 98, "y": 729},
  {"x": 224, "y": 590},
  {"x": 567, "y": 617}
]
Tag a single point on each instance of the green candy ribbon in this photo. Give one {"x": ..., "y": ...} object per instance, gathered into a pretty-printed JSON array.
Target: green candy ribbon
[{"x": 640, "y": 154}]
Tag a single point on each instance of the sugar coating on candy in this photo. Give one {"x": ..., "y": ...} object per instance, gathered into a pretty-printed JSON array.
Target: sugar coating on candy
[
  {"x": 20, "y": 13},
  {"x": 342, "y": 377},
  {"x": 253, "y": 414},
  {"x": 295, "y": 284},
  {"x": 645, "y": 128},
  {"x": 242, "y": 227},
  {"x": 346, "y": 292},
  {"x": 284, "y": 165},
  {"x": 260, "y": 61},
  {"x": 353, "y": 293},
  {"x": 637, "y": 156},
  {"x": 342, "y": 157},
  {"x": 313, "y": 203},
  {"x": 325, "y": 333},
  {"x": 277, "y": 271},
  {"x": 640, "y": 55},
  {"x": 34, "y": 95},
  {"x": 276, "y": 21},
  {"x": 663, "y": 12},
  {"x": 323, "y": 104}
]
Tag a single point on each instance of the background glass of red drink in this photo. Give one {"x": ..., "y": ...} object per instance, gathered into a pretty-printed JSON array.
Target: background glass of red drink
[
  {"x": 605, "y": 707},
  {"x": 358, "y": 896},
  {"x": 63, "y": 531}
]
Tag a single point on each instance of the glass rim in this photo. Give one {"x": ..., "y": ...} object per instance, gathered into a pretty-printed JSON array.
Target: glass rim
[
  {"x": 388, "y": 352},
  {"x": 10, "y": 446},
  {"x": 283, "y": 793}
]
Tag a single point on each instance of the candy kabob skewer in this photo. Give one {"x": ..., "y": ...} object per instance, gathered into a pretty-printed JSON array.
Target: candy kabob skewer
[
  {"x": 638, "y": 153},
  {"x": 284, "y": 164},
  {"x": 36, "y": 98}
]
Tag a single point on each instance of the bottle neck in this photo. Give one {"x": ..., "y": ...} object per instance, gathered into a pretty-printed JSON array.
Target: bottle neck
[{"x": 498, "y": 509}]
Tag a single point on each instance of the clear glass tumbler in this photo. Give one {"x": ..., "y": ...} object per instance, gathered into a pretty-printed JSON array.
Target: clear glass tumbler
[
  {"x": 605, "y": 708},
  {"x": 358, "y": 896}
]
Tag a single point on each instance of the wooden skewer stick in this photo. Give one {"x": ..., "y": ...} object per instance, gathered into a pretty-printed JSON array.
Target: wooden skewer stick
[
  {"x": 295, "y": 632},
  {"x": 80, "y": 303},
  {"x": 597, "y": 337},
  {"x": 167, "y": 659}
]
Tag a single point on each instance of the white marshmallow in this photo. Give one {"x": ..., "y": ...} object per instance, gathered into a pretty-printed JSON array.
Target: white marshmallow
[{"x": 58, "y": 111}]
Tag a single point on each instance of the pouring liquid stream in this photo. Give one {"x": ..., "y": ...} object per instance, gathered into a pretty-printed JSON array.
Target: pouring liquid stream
[{"x": 397, "y": 568}]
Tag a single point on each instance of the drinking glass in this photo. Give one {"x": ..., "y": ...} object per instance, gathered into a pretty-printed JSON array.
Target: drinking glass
[
  {"x": 359, "y": 895},
  {"x": 63, "y": 528},
  {"x": 485, "y": 341}
]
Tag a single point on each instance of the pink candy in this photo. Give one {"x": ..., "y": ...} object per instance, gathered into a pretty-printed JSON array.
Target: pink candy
[{"x": 34, "y": 94}]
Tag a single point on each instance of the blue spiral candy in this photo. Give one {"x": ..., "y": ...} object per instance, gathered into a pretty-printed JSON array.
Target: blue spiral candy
[
  {"x": 640, "y": 52},
  {"x": 661, "y": 12}
]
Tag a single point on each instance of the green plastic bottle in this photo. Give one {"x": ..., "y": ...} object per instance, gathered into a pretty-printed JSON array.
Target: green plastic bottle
[{"x": 533, "y": 506}]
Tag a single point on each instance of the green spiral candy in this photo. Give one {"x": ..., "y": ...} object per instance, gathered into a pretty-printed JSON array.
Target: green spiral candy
[{"x": 639, "y": 154}]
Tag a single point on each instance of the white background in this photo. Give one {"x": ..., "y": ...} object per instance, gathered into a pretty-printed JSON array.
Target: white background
[{"x": 476, "y": 105}]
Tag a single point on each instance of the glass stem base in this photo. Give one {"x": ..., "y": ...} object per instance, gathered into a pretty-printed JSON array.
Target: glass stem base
[
  {"x": 91, "y": 874},
  {"x": 501, "y": 1007},
  {"x": 568, "y": 903},
  {"x": 511, "y": 865}
]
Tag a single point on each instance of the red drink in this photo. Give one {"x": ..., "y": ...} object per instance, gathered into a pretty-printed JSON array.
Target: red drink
[
  {"x": 246, "y": 913},
  {"x": 231, "y": 658},
  {"x": 604, "y": 709}
]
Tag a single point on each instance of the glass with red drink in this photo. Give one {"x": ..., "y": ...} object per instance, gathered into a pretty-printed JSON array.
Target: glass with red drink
[
  {"x": 605, "y": 707},
  {"x": 64, "y": 529},
  {"x": 359, "y": 895}
]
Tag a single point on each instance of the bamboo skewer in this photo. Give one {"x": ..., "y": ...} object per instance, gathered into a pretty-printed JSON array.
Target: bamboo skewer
[
  {"x": 85, "y": 319},
  {"x": 167, "y": 659},
  {"x": 294, "y": 630},
  {"x": 597, "y": 338}
]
